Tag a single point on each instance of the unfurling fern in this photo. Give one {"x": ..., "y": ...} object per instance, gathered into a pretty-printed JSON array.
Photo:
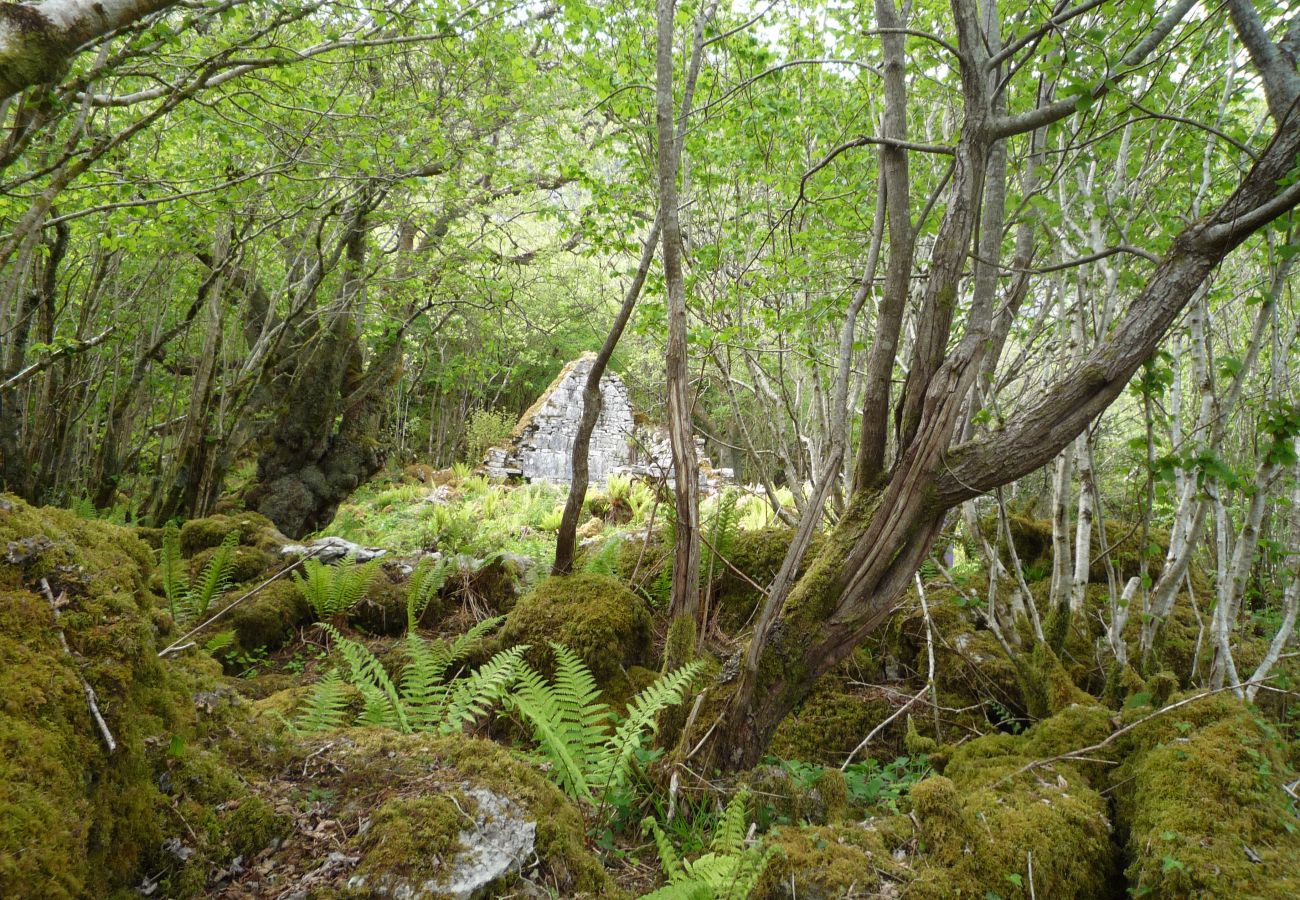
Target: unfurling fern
[
  {"x": 188, "y": 600},
  {"x": 571, "y": 725},
  {"x": 326, "y": 707},
  {"x": 332, "y": 591},
  {"x": 729, "y": 871}
]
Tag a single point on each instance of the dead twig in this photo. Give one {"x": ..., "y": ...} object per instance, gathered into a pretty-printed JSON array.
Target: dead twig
[{"x": 89, "y": 691}]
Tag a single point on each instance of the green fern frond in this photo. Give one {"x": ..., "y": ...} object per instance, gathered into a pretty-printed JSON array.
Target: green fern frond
[
  {"x": 215, "y": 576},
  {"x": 176, "y": 583},
  {"x": 534, "y": 699},
  {"x": 424, "y": 584},
  {"x": 605, "y": 561},
  {"x": 383, "y": 702},
  {"x": 641, "y": 722},
  {"x": 468, "y": 642},
  {"x": 729, "y": 871},
  {"x": 332, "y": 591},
  {"x": 472, "y": 696},
  {"x": 326, "y": 707},
  {"x": 423, "y": 683}
]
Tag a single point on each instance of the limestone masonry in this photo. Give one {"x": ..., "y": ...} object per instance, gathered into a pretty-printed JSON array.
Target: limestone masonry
[{"x": 541, "y": 447}]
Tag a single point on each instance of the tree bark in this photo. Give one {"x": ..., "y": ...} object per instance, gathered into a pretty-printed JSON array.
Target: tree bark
[
  {"x": 566, "y": 538},
  {"x": 37, "y": 41}
]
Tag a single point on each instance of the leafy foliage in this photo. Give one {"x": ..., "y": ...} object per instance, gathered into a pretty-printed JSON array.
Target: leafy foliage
[
  {"x": 423, "y": 698},
  {"x": 186, "y": 600},
  {"x": 333, "y": 590},
  {"x": 570, "y": 724},
  {"x": 729, "y": 871}
]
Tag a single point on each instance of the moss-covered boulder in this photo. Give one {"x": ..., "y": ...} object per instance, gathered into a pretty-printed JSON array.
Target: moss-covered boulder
[
  {"x": 992, "y": 816},
  {"x": 832, "y": 721},
  {"x": 758, "y": 554},
  {"x": 255, "y": 530},
  {"x": 382, "y": 611},
  {"x": 268, "y": 619},
  {"x": 594, "y": 615},
  {"x": 852, "y": 860},
  {"x": 248, "y": 565},
  {"x": 1203, "y": 807},
  {"x": 425, "y": 816},
  {"x": 76, "y": 817}
]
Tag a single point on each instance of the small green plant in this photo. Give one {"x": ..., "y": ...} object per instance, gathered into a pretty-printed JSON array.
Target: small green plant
[
  {"x": 486, "y": 428},
  {"x": 588, "y": 760},
  {"x": 729, "y": 871},
  {"x": 605, "y": 560},
  {"x": 186, "y": 600},
  {"x": 424, "y": 584},
  {"x": 332, "y": 591},
  {"x": 422, "y": 698}
]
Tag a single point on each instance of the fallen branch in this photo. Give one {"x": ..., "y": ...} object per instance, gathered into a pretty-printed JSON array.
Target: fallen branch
[
  {"x": 178, "y": 645},
  {"x": 89, "y": 691}
]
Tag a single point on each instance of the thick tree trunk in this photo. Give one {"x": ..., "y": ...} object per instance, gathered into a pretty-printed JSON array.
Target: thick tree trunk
[{"x": 38, "y": 40}]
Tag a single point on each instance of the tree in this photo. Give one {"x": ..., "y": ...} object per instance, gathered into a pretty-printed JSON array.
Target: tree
[
  {"x": 37, "y": 40},
  {"x": 895, "y": 514}
]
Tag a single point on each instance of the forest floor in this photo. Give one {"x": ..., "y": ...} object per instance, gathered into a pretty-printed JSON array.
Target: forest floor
[{"x": 279, "y": 757}]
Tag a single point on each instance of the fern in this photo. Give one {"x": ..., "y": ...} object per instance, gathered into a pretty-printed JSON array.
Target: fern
[
  {"x": 605, "y": 562},
  {"x": 472, "y": 696},
  {"x": 175, "y": 584},
  {"x": 383, "y": 703},
  {"x": 642, "y": 721},
  {"x": 729, "y": 871},
  {"x": 723, "y": 527},
  {"x": 215, "y": 576},
  {"x": 571, "y": 725},
  {"x": 424, "y": 584},
  {"x": 424, "y": 688},
  {"x": 326, "y": 707},
  {"x": 332, "y": 591},
  {"x": 423, "y": 699},
  {"x": 185, "y": 600}
]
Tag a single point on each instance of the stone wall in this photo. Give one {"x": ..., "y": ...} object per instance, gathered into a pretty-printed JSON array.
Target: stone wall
[{"x": 542, "y": 444}]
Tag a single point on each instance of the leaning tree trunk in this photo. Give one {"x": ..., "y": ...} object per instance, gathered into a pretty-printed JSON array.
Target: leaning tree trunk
[
  {"x": 870, "y": 558},
  {"x": 567, "y": 538}
]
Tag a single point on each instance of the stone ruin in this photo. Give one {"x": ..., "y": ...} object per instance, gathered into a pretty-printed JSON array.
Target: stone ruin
[{"x": 541, "y": 446}]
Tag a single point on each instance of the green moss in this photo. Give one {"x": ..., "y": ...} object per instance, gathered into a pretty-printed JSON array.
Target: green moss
[
  {"x": 759, "y": 555},
  {"x": 979, "y": 821},
  {"x": 255, "y": 530},
  {"x": 413, "y": 839},
  {"x": 594, "y": 615},
  {"x": 101, "y": 817},
  {"x": 822, "y": 863},
  {"x": 269, "y": 618},
  {"x": 410, "y": 780},
  {"x": 1201, "y": 800},
  {"x": 831, "y": 722},
  {"x": 247, "y": 564}
]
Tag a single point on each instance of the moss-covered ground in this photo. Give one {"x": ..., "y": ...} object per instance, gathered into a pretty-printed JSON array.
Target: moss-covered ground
[{"x": 211, "y": 793}]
